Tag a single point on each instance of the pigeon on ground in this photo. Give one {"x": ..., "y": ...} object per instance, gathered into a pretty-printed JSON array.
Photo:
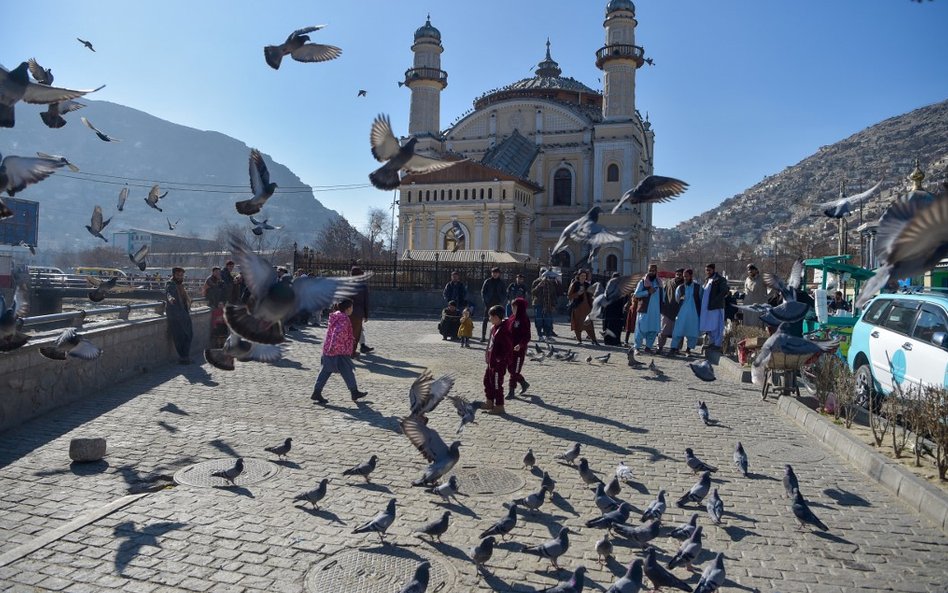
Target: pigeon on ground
[
  {"x": 790, "y": 483},
  {"x": 298, "y": 47},
  {"x": 604, "y": 549},
  {"x": 536, "y": 346},
  {"x": 604, "y": 358},
  {"x": 912, "y": 238},
  {"x": 656, "y": 508},
  {"x": 696, "y": 464},
  {"x": 529, "y": 460},
  {"x": 652, "y": 190},
  {"x": 123, "y": 195},
  {"x": 630, "y": 356},
  {"x": 432, "y": 447},
  {"x": 11, "y": 320},
  {"x": 277, "y": 301},
  {"x": 316, "y": 495},
  {"x": 363, "y": 469},
  {"x": 842, "y": 206},
  {"x": 386, "y": 149},
  {"x": 171, "y": 226},
  {"x": 703, "y": 413},
  {"x": 703, "y": 370},
  {"x": 653, "y": 368},
  {"x": 588, "y": 476},
  {"x": 262, "y": 225},
  {"x": 88, "y": 44},
  {"x": 613, "y": 488},
  {"x": 101, "y": 288},
  {"x": 608, "y": 520},
  {"x": 448, "y": 490},
  {"x": 504, "y": 526},
  {"x": 698, "y": 491},
  {"x": 740, "y": 458},
  {"x": 236, "y": 348},
  {"x": 553, "y": 548},
  {"x": 631, "y": 581},
  {"x": 574, "y": 584},
  {"x": 547, "y": 482},
  {"x": 17, "y": 172},
  {"x": 659, "y": 576},
  {"x": 688, "y": 552},
  {"x": 436, "y": 528},
  {"x": 589, "y": 359},
  {"x": 15, "y": 86},
  {"x": 482, "y": 552},
  {"x": 640, "y": 534},
  {"x": 361, "y": 93},
  {"x": 587, "y": 231},
  {"x": 260, "y": 186},
  {"x": 624, "y": 472},
  {"x": 419, "y": 582},
  {"x": 801, "y": 510},
  {"x": 426, "y": 393},
  {"x": 97, "y": 225},
  {"x": 684, "y": 531},
  {"x": 379, "y": 523},
  {"x": 715, "y": 507},
  {"x": 713, "y": 576},
  {"x": 281, "y": 451},
  {"x": 534, "y": 500},
  {"x": 70, "y": 343},
  {"x": 605, "y": 502},
  {"x": 783, "y": 342},
  {"x": 40, "y": 74},
  {"x": 32, "y": 248},
  {"x": 570, "y": 455},
  {"x": 466, "y": 410},
  {"x": 230, "y": 474},
  {"x": 613, "y": 291},
  {"x": 138, "y": 258},
  {"x": 102, "y": 135},
  {"x": 153, "y": 196}
]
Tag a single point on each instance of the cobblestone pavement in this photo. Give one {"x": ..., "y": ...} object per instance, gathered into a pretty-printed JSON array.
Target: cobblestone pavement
[{"x": 254, "y": 538}]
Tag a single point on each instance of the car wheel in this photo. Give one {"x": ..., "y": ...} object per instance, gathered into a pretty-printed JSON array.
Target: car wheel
[{"x": 866, "y": 389}]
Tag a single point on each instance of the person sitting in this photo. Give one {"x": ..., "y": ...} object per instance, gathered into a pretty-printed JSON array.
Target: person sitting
[{"x": 450, "y": 321}]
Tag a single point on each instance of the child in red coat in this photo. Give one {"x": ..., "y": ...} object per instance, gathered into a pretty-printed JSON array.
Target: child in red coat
[
  {"x": 337, "y": 353},
  {"x": 518, "y": 324},
  {"x": 498, "y": 354}
]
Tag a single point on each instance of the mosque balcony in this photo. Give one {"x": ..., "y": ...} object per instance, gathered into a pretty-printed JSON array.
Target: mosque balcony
[
  {"x": 619, "y": 51},
  {"x": 424, "y": 73}
]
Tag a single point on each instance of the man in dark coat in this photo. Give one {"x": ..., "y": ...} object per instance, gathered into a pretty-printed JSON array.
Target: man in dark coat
[
  {"x": 493, "y": 292},
  {"x": 178, "y": 313},
  {"x": 712, "y": 306},
  {"x": 456, "y": 291}
]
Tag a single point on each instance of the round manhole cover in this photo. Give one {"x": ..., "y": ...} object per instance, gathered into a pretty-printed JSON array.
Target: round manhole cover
[
  {"x": 788, "y": 452},
  {"x": 357, "y": 571},
  {"x": 199, "y": 474},
  {"x": 488, "y": 480}
]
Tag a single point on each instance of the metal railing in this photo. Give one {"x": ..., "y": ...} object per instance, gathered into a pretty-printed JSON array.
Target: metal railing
[
  {"x": 47, "y": 281},
  {"x": 426, "y": 73},
  {"x": 620, "y": 51},
  {"x": 78, "y": 317}
]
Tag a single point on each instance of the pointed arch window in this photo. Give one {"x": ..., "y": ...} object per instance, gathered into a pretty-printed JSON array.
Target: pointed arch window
[{"x": 563, "y": 187}]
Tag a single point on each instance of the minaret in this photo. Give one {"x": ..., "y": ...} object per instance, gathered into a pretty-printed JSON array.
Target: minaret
[
  {"x": 619, "y": 58},
  {"x": 426, "y": 80}
]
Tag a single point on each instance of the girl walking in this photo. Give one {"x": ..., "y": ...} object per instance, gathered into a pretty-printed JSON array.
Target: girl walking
[{"x": 337, "y": 353}]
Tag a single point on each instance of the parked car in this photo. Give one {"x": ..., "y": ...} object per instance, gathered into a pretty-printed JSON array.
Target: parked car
[{"x": 901, "y": 341}]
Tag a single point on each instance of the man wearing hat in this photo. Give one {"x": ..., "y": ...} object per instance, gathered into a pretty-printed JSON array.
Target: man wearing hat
[
  {"x": 670, "y": 308},
  {"x": 360, "y": 314},
  {"x": 493, "y": 292}
]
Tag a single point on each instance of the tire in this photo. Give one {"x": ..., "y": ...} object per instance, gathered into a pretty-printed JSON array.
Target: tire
[{"x": 866, "y": 388}]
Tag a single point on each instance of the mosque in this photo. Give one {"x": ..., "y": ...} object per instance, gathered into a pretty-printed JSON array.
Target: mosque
[{"x": 541, "y": 152}]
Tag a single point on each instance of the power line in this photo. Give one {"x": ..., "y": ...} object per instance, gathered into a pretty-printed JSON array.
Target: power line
[
  {"x": 243, "y": 190},
  {"x": 196, "y": 183}
]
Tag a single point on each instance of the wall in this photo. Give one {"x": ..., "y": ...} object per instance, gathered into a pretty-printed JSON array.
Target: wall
[{"x": 32, "y": 385}]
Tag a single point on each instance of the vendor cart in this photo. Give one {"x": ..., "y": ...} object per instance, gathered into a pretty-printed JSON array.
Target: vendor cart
[{"x": 784, "y": 372}]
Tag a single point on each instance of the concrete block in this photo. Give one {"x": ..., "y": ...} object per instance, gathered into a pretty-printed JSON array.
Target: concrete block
[{"x": 85, "y": 450}]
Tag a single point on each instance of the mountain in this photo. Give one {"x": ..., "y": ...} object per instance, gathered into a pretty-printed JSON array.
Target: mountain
[
  {"x": 785, "y": 204},
  {"x": 152, "y": 150}
]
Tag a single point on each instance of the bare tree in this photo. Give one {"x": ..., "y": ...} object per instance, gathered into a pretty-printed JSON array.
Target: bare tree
[{"x": 339, "y": 239}]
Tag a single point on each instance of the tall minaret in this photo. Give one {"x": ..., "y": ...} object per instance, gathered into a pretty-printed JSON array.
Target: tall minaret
[
  {"x": 426, "y": 80},
  {"x": 619, "y": 59}
]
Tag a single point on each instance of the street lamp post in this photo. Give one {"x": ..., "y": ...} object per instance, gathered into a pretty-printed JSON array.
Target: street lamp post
[{"x": 393, "y": 243}]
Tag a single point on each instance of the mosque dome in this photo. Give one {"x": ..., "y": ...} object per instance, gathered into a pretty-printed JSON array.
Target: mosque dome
[
  {"x": 427, "y": 30},
  {"x": 615, "y": 5}
]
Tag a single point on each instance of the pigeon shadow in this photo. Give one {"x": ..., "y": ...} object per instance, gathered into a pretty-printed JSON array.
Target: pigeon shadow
[
  {"x": 755, "y": 476},
  {"x": 286, "y": 463},
  {"x": 458, "y": 508},
  {"x": 224, "y": 448},
  {"x": 579, "y": 415},
  {"x": 447, "y": 549},
  {"x": 737, "y": 533},
  {"x": 169, "y": 427},
  {"x": 321, "y": 513},
  {"x": 536, "y": 471},
  {"x": 717, "y": 424},
  {"x": 369, "y": 415},
  {"x": 372, "y": 486},
  {"x": 498, "y": 584},
  {"x": 196, "y": 373},
  {"x": 731, "y": 584},
  {"x": 637, "y": 486},
  {"x": 304, "y": 338},
  {"x": 392, "y": 368},
  {"x": 88, "y": 468},
  {"x": 833, "y": 538},
  {"x": 739, "y": 517},
  {"x": 238, "y": 490},
  {"x": 846, "y": 498},
  {"x": 173, "y": 409},
  {"x": 659, "y": 379},
  {"x": 561, "y": 503},
  {"x": 614, "y": 566},
  {"x": 286, "y": 363},
  {"x": 707, "y": 392},
  {"x": 568, "y": 434},
  {"x": 134, "y": 541},
  {"x": 653, "y": 453}
]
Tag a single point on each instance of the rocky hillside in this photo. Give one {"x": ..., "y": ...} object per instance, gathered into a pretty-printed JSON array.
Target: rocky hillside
[
  {"x": 209, "y": 168},
  {"x": 786, "y": 201}
]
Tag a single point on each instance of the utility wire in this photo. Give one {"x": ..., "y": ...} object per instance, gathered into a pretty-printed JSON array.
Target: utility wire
[
  {"x": 195, "y": 183},
  {"x": 243, "y": 189}
]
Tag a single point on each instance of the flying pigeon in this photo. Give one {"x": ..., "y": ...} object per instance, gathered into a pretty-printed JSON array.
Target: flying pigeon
[
  {"x": 631, "y": 581},
  {"x": 277, "y": 301},
  {"x": 641, "y": 534},
  {"x": 703, "y": 413},
  {"x": 553, "y": 548},
  {"x": 316, "y": 495},
  {"x": 659, "y": 576},
  {"x": 436, "y": 528},
  {"x": 363, "y": 469},
  {"x": 386, "y": 149},
  {"x": 801, "y": 510},
  {"x": 101, "y": 288},
  {"x": 529, "y": 460},
  {"x": 281, "y": 451},
  {"x": 781, "y": 341},
  {"x": 740, "y": 458},
  {"x": 656, "y": 508},
  {"x": 482, "y": 552},
  {"x": 153, "y": 196},
  {"x": 53, "y": 116},
  {"x": 787, "y": 289},
  {"x": 72, "y": 344},
  {"x": 696, "y": 464},
  {"x": 842, "y": 206},
  {"x": 715, "y": 507},
  {"x": 534, "y": 500},
  {"x": 419, "y": 582},
  {"x": 615, "y": 290},
  {"x": 230, "y": 474},
  {"x": 260, "y": 185},
  {"x": 172, "y": 225},
  {"x": 362, "y": 93},
  {"x": 574, "y": 584},
  {"x": 426, "y": 393},
  {"x": 504, "y": 526},
  {"x": 11, "y": 322},
  {"x": 138, "y": 258},
  {"x": 604, "y": 549},
  {"x": 297, "y": 46},
  {"x": 570, "y": 455},
  {"x": 448, "y": 490},
  {"x": 653, "y": 189},
  {"x": 588, "y": 476},
  {"x": 102, "y": 135},
  {"x": 912, "y": 238},
  {"x": 587, "y": 231},
  {"x": 465, "y": 410},
  {"x": 713, "y": 576},
  {"x": 97, "y": 225},
  {"x": 790, "y": 483},
  {"x": 17, "y": 172},
  {"x": 624, "y": 472},
  {"x": 432, "y": 447},
  {"x": 684, "y": 531},
  {"x": 688, "y": 552},
  {"x": 703, "y": 370},
  {"x": 379, "y": 523},
  {"x": 88, "y": 44},
  {"x": 61, "y": 159},
  {"x": 698, "y": 491},
  {"x": 40, "y": 74},
  {"x": 123, "y": 195},
  {"x": 32, "y": 248},
  {"x": 264, "y": 225},
  {"x": 15, "y": 85}
]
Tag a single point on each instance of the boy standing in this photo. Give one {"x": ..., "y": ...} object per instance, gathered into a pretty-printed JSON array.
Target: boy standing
[
  {"x": 499, "y": 349},
  {"x": 337, "y": 353}
]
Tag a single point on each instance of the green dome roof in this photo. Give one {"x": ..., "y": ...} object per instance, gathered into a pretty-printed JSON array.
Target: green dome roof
[
  {"x": 427, "y": 30},
  {"x": 619, "y": 5}
]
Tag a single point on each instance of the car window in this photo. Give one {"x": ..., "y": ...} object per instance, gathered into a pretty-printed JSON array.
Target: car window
[
  {"x": 930, "y": 321},
  {"x": 876, "y": 309},
  {"x": 901, "y": 316}
]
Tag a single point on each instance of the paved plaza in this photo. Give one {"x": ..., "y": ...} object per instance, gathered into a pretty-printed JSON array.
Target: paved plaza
[{"x": 255, "y": 538}]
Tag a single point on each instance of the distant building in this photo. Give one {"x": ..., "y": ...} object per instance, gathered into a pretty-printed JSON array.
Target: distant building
[
  {"x": 23, "y": 226},
  {"x": 542, "y": 151},
  {"x": 161, "y": 242}
]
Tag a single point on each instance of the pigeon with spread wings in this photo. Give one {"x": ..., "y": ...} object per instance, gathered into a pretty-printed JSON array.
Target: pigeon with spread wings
[
  {"x": 259, "y": 184},
  {"x": 842, "y": 206},
  {"x": 432, "y": 447},
  {"x": 236, "y": 348},
  {"x": 17, "y": 172},
  {"x": 97, "y": 225},
  {"x": 102, "y": 135},
  {"x": 427, "y": 392},
  {"x": 138, "y": 258},
  {"x": 11, "y": 320},
  {"x": 153, "y": 196},
  {"x": 262, "y": 225},
  {"x": 386, "y": 149},
  {"x": 587, "y": 231},
  {"x": 652, "y": 189},
  {"x": 70, "y": 343},
  {"x": 297, "y": 46},
  {"x": 15, "y": 86}
]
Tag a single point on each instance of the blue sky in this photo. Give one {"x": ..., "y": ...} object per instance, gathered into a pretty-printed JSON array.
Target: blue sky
[{"x": 740, "y": 88}]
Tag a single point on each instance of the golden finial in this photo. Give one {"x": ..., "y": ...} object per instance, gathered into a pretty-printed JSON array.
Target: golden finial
[{"x": 916, "y": 177}]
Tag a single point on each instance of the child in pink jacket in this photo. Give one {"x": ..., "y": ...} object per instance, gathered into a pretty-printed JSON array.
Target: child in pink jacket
[{"x": 337, "y": 353}]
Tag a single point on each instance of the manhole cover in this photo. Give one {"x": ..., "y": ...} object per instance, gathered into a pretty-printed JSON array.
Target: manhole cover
[
  {"x": 788, "y": 452},
  {"x": 199, "y": 474},
  {"x": 488, "y": 480},
  {"x": 355, "y": 571}
]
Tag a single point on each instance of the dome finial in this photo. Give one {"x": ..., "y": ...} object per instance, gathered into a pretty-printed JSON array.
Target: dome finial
[
  {"x": 548, "y": 67},
  {"x": 548, "y": 49},
  {"x": 916, "y": 177}
]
